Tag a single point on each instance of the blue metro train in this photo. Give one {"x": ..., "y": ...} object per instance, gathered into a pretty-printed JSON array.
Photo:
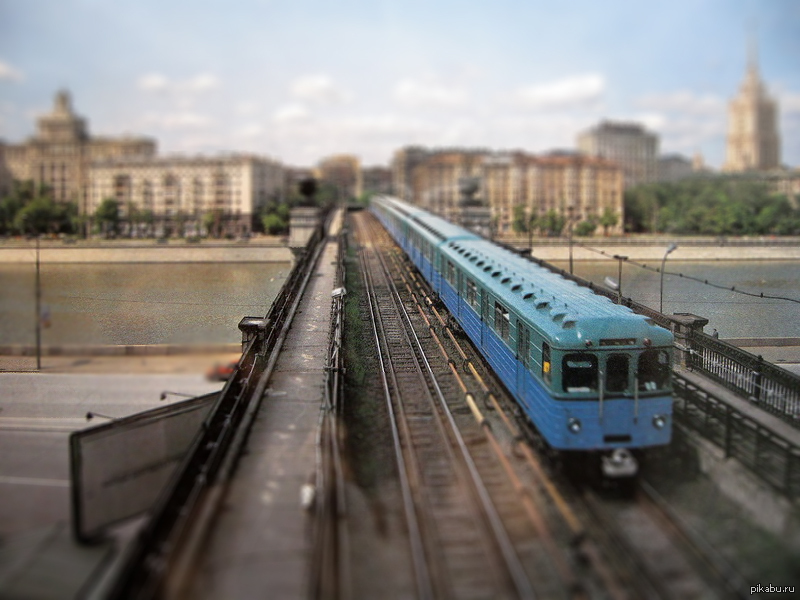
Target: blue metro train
[{"x": 592, "y": 376}]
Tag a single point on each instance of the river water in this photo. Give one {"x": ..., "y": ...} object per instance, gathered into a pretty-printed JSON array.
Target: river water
[
  {"x": 172, "y": 303},
  {"x": 203, "y": 303},
  {"x": 733, "y": 315}
]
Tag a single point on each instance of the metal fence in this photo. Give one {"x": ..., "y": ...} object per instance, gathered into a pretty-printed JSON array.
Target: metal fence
[
  {"x": 772, "y": 388},
  {"x": 771, "y": 457}
]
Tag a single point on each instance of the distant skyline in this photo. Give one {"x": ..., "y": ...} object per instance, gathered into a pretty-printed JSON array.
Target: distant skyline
[{"x": 302, "y": 80}]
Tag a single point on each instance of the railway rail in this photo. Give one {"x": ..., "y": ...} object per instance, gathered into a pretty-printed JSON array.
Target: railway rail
[
  {"x": 459, "y": 545},
  {"x": 579, "y": 534}
]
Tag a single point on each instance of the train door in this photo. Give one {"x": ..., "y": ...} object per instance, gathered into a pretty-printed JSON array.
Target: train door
[{"x": 523, "y": 355}]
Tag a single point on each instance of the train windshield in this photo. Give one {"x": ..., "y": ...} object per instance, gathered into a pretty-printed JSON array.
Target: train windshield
[
  {"x": 579, "y": 372},
  {"x": 617, "y": 373},
  {"x": 654, "y": 370}
]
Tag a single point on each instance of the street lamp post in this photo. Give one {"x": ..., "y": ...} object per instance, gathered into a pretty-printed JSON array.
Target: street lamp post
[
  {"x": 670, "y": 248},
  {"x": 38, "y": 311},
  {"x": 619, "y": 277},
  {"x": 570, "y": 208}
]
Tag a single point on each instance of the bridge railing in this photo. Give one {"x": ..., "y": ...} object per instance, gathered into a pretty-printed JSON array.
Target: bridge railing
[
  {"x": 772, "y": 388},
  {"x": 771, "y": 457}
]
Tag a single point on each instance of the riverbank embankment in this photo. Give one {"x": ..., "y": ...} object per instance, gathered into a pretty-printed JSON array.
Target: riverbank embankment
[
  {"x": 143, "y": 252},
  {"x": 586, "y": 250}
]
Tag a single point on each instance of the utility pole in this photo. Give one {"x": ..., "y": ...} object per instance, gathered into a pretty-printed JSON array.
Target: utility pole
[{"x": 38, "y": 311}]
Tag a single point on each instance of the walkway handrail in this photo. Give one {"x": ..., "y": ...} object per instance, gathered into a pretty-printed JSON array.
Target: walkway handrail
[
  {"x": 199, "y": 479},
  {"x": 772, "y": 388},
  {"x": 768, "y": 455},
  {"x": 330, "y": 576}
]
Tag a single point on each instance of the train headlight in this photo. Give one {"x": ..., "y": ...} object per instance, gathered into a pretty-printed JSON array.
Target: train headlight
[
  {"x": 659, "y": 422},
  {"x": 574, "y": 425}
]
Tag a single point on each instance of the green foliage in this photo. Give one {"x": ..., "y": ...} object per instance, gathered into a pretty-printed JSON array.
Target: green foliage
[
  {"x": 608, "y": 219},
  {"x": 710, "y": 206},
  {"x": 519, "y": 224},
  {"x": 585, "y": 228},
  {"x": 273, "y": 224},
  {"x": 31, "y": 210},
  {"x": 552, "y": 223},
  {"x": 107, "y": 216}
]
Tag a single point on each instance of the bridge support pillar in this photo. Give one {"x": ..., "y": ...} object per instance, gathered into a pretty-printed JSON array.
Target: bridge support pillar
[
  {"x": 303, "y": 221},
  {"x": 685, "y": 324}
]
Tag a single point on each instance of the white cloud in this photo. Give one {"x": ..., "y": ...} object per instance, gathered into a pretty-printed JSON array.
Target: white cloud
[
  {"x": 156, "y": 82},
  {"x": 10, "y": 73},
  {"x": 422, "y": 94},
  {"x": 250, "y": 130},
  {"x": 246, "y": 108},
  {"x": 570, "y": 92},
  {"x": 179, "y": 120},
  {"x": 318, "y": 89},
  {"x": 291, "y": 113},
  {"x": 682, "y": 101},
  {"x": 789, "y": 102},
  {"x": 153, "y": 82}
]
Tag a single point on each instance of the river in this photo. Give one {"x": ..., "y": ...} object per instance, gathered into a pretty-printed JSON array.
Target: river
[
  {"x": 137, "y": 303},
  {"x": 734, "y": 315},
  {"x": 203, "y": 302}
]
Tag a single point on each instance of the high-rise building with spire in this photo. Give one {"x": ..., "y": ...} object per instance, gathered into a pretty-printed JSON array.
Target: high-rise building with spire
[{"x": 753, "y": 140}]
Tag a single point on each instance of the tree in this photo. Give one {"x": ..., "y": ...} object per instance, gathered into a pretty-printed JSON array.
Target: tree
[
  {"x": 608, "y": 219},
  {"x": 552, "y": 223},
  {"x": 107, "y": 216},
  {"x": 519, "y": 224},
  {"x": 587, "y": 227}
]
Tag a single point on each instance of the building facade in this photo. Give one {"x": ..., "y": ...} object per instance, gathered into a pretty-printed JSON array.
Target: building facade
[
  {"x": 753, "y": 142},
  {"x": 674, "y": 167},
  {"x": 377, "y": 180},
  {"x": 187, "y": 195},
  {"x": 628, "y": 144},
  {"x": 61, "y": 151},
  {"x": 344, "y": 172},
  {"x": 568, "y": 184}
]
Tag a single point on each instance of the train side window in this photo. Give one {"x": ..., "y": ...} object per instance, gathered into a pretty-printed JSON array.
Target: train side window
[
  {"x": 579, "y": 372},
  {"x": 472, "y": 294},
  {"x": 617, "y": 373},
  {"x": 546, "y": 366},
  {"x": 653, "y": 370},
  {"x": 451, "y": 273},
  {"x": 501, "y": 320}
]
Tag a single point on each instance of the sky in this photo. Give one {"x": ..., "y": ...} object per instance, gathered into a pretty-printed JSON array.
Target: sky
[{"x": 303, "y": 79}]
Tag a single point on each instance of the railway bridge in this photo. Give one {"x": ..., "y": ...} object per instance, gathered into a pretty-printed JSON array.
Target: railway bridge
[{"x": 362, "y": 449}]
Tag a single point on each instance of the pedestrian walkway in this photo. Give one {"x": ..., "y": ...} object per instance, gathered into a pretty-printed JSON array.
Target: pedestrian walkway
[
  {"x": 260, "y": 545},
  {"x": 749, "y": 409}
]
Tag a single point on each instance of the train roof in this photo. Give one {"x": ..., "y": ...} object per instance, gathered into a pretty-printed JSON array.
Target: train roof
[
  {"x": 560, "y": 307},
  {"x": 437, "y": 228}
]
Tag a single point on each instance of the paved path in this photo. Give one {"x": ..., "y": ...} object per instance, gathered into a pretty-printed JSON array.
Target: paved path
[{"x": 260, "y": 545}]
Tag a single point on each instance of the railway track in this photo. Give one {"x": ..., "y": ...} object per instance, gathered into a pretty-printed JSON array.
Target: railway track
[{"x": 563, "y": 542}]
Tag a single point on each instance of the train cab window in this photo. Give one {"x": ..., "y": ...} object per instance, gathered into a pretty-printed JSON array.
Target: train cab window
[
  {"x": 617, "y": 373},
  {"x": 472, "y": 294},
  {"x": 546, "y": 365},
  {"x": 501, "y": 320},
  {"x": 579, "y": 372},
  {"x": 654, "y": 369}
]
